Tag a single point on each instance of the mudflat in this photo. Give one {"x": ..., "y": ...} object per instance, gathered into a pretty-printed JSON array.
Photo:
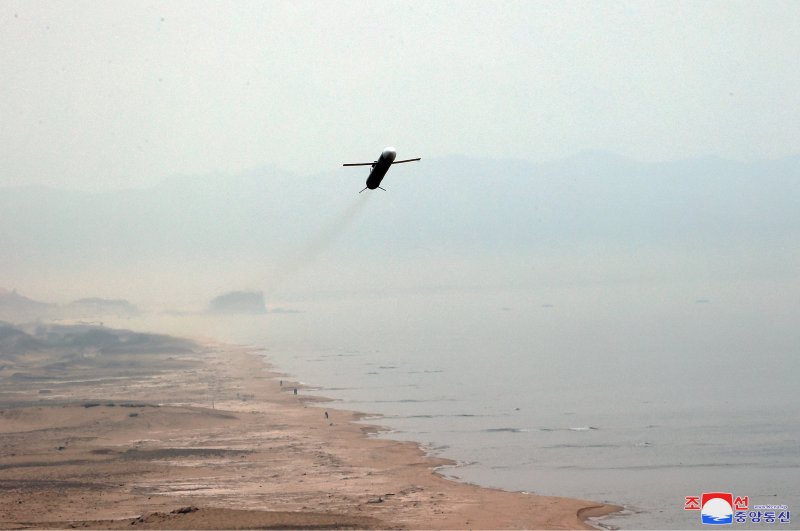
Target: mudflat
[{"x": 155, "y": 432}]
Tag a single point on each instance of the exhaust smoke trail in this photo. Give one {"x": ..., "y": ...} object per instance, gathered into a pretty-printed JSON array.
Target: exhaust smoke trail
[{"x": 317, "y": 245}]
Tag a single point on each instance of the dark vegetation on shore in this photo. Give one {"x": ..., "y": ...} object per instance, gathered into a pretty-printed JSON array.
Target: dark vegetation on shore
[{"x": 46, "y": 351}]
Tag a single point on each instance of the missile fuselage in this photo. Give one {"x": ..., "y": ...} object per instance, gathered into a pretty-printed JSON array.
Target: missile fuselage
[{"x": 380, "y": 167}]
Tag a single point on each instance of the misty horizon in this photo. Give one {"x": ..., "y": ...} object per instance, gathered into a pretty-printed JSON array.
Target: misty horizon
[{"x": 251, "y": 229}]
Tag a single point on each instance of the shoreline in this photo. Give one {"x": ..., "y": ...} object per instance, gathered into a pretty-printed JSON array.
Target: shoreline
[
  {"x": 588, "y": 509},
  {"x": 213, "y": 434}
]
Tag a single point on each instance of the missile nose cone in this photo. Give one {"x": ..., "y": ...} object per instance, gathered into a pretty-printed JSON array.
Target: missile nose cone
[{"x": 389, "y": 153}]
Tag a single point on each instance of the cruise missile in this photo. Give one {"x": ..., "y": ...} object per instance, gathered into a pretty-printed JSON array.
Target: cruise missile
[{"x": 380, "y": 167}]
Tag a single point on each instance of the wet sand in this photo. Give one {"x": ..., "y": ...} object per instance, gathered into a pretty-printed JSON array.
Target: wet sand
[{"x": 209, "y": 439}]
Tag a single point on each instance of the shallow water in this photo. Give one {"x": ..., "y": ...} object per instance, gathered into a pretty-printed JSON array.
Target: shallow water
[{"x": 615, "y": 396}]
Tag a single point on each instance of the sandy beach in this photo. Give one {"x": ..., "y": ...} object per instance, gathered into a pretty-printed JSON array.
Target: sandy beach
[{"x": 208, "y": 437}]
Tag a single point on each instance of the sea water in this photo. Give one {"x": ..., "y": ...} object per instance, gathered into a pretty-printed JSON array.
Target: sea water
[{"x": 631, "y": 397}]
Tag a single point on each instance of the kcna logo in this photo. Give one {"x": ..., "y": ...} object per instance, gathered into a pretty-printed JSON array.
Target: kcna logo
[
  {"x": 717, "y": 508},
  {"x": 720, "y": 508}
]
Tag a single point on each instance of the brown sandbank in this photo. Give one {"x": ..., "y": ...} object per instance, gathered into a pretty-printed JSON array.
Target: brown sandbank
[{"x": 206, "y": 438}]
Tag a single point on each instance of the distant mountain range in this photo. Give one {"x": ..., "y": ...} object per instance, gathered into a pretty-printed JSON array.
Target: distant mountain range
[
  {"x": 15, "y": 307},
  {"x": 454, "y": 202}
]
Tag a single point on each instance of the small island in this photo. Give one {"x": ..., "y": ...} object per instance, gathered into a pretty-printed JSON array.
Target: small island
[{"x": 239, "y": 302}]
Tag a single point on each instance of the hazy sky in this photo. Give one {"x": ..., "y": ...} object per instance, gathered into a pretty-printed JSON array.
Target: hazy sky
[{"x": 108, "y": 94}]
